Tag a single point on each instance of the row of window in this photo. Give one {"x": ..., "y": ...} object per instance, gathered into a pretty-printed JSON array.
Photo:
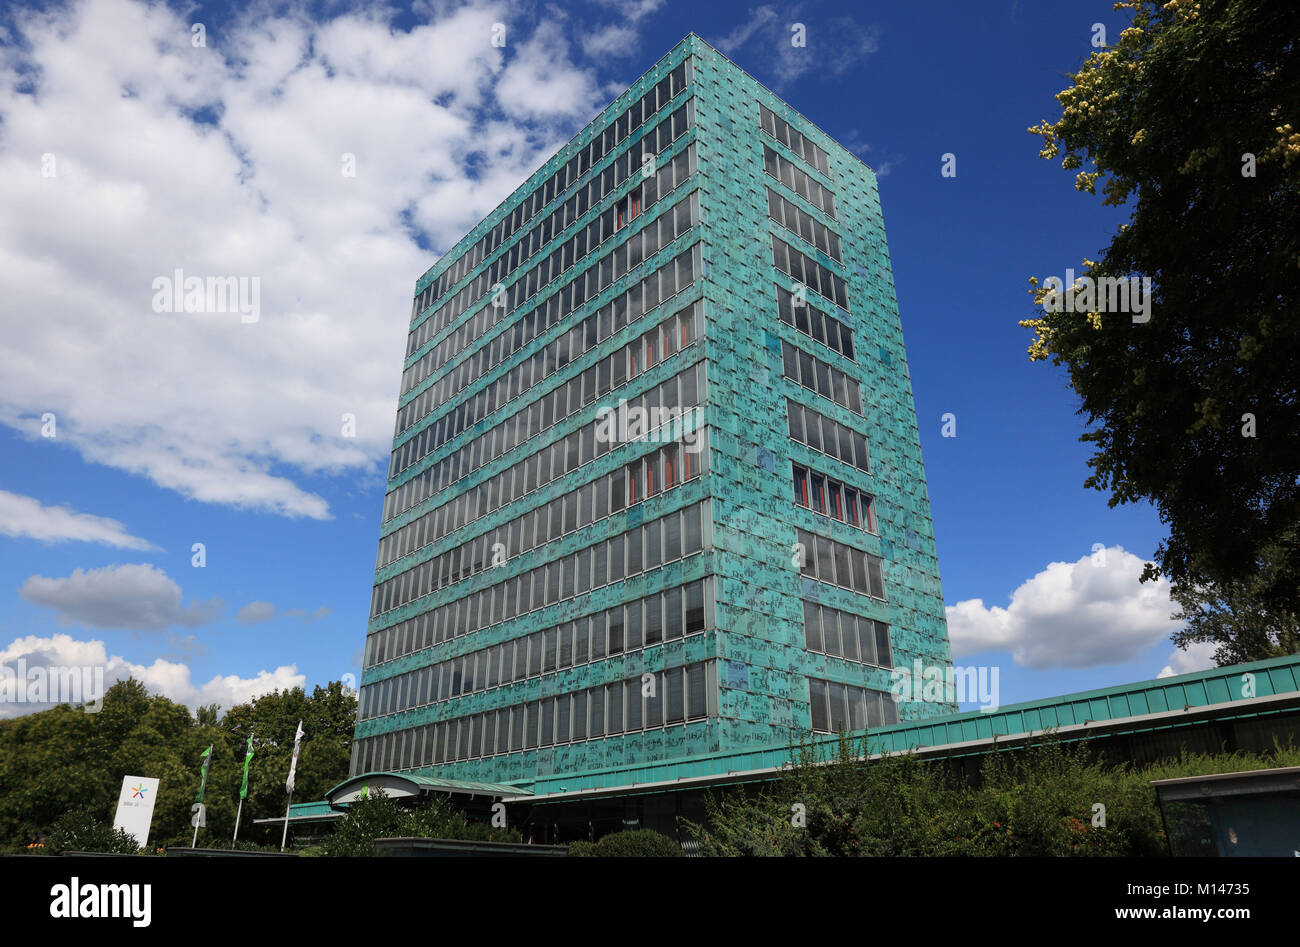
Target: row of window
[
  {"x": 527, "y": 328},
  {"x": 422, "y": 631},
  {"x": 639, "y": 549},
  {"x": 638, "y": 480},
  {"x": 668, "y": 698},
  {"x": 645, "y": 477},
  {"x": 782, "y": 131},
  {"x": 812, "y": 373},
  {"x": 808, "y": 271},
  {"x": 535, "y": 471},
  {"x": 627, "y": 255},
  {"x": 843, "y": 635},
  {"x": 641, "y": 623},
  {"x": 586, "y": 158},
  {"x": 837, "y": 564},
  {"x": 574, "y": 251},
  {"x": 483, "y": 448},
  {"x": 826, "y": 436},
  {"x": 798, "y": 312},
  {"x": 638, "y": 162},
  {"x": 798, "y": 221},
  {"x": 839, "y": 708},
  {"x": 563, "y": 456},
  {"x": 831, "y": 498},
  {"x": 799, "y": 181},
  {"x": 491, "y": 397},
  {"x": 672, "y": 278}
]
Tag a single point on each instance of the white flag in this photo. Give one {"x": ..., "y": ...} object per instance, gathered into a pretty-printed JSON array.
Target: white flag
[{"x": 293, "y": 764}]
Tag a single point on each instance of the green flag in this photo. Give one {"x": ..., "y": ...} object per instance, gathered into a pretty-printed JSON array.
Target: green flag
[
  {"x": 203, "y": 783},
  {"x": 248, "y": 758}
]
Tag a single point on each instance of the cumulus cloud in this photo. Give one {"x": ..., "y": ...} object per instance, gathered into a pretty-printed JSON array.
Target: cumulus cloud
[
  {"x": 1198, "y": 656},
  {"x": 129, "y": 154},
  {"x": 27, "y": 518},
  {"x": 138, "y": 596},
  {"x": 1082, "y": 614},
  {"x": 167, "y": 678}
]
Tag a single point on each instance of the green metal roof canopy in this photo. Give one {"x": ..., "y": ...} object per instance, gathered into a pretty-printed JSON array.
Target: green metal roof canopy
[{"x": 404, "y": 785}]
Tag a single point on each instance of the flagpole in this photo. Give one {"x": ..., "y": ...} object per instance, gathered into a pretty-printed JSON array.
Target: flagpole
[
  {"x": 284, "y": 837},
  {"x": 288, "y": 784},
  {"x": 243, "y": 791},
  {"x": 203, "y": 784}
]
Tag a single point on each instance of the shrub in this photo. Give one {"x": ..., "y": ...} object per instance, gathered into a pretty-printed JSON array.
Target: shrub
[
  {"x": 79, "y": 830},
  {"x": 380, "y": 817},
  {"x": 640, "y": 843},
  {"x": 1040, "y": 800}
]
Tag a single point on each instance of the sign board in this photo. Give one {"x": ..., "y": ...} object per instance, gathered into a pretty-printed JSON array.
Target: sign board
[{"x": 135, "y": 807}]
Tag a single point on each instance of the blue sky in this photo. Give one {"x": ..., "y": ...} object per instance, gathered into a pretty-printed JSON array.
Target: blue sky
[{"x": 175, "y": 429}]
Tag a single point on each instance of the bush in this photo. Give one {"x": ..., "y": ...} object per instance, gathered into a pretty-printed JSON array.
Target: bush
[
  {"x": 640, "y": 843},
  {"x": 1039, "y": 801},
  {"x": 79, "y": 830},
  {"x": 380, "y": 817}
]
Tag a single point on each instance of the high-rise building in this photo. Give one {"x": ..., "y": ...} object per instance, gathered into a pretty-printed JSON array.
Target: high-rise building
[{"x": 656, "y": 488}]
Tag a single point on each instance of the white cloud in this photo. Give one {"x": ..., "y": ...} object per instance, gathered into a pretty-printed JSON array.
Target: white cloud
[
  {"x": 1080, "y": 614},
  {"x": 614, "y": 40},
  {"x": 1199, "y": 656},
  {"x": 535, "y": 84},
  {"x": 202, "y": 404},
  {"x": 831, "y": 47},
  {"x": 255, "y": 613},
  {"x": 138, "y": 596},
  {"x": 26, "y": 517},
  {"x": 742, "y": 33},
  {"x": 168, "y": 678}
]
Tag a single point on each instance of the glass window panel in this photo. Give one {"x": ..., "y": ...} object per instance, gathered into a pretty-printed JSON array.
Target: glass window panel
[
  {"x": 673, "y": 614},
  {"x": 812, "y": 628},
  {"x": 694, "y": 602},
  {"x": 653, "y": 619},
  {"x": 818, "y": 698},
  {"x": 884, "y": 654}
]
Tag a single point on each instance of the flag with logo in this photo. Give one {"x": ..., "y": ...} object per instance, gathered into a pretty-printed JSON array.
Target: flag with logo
[
  {"x": 207, "y": 761},
  {"x": 293, "y": 764},
  {"x": 248, "y": 758}
]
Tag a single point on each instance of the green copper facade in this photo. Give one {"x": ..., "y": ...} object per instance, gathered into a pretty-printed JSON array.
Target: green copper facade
[{"x": 563, "y": 590}]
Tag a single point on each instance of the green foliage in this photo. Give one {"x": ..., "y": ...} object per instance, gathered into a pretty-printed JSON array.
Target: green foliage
[
  {"x": 1037, "y": 801},
  {"x": 1230, "y": 615},
  {"x": 79, "y": 830},
  {"x": 378, "y": 816},
  {"x": 1190, "y": 121},
  {"x": 64, "y": 759},
  {"x": 639, "y": 843}
]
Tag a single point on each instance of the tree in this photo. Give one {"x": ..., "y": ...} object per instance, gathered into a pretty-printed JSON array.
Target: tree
[
  {"x": 328, "y": 717},
  {"x": 62, "y": 759},
  {"x": 1229, "y": 614},
  {"x": 1190, "y": 121}
]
